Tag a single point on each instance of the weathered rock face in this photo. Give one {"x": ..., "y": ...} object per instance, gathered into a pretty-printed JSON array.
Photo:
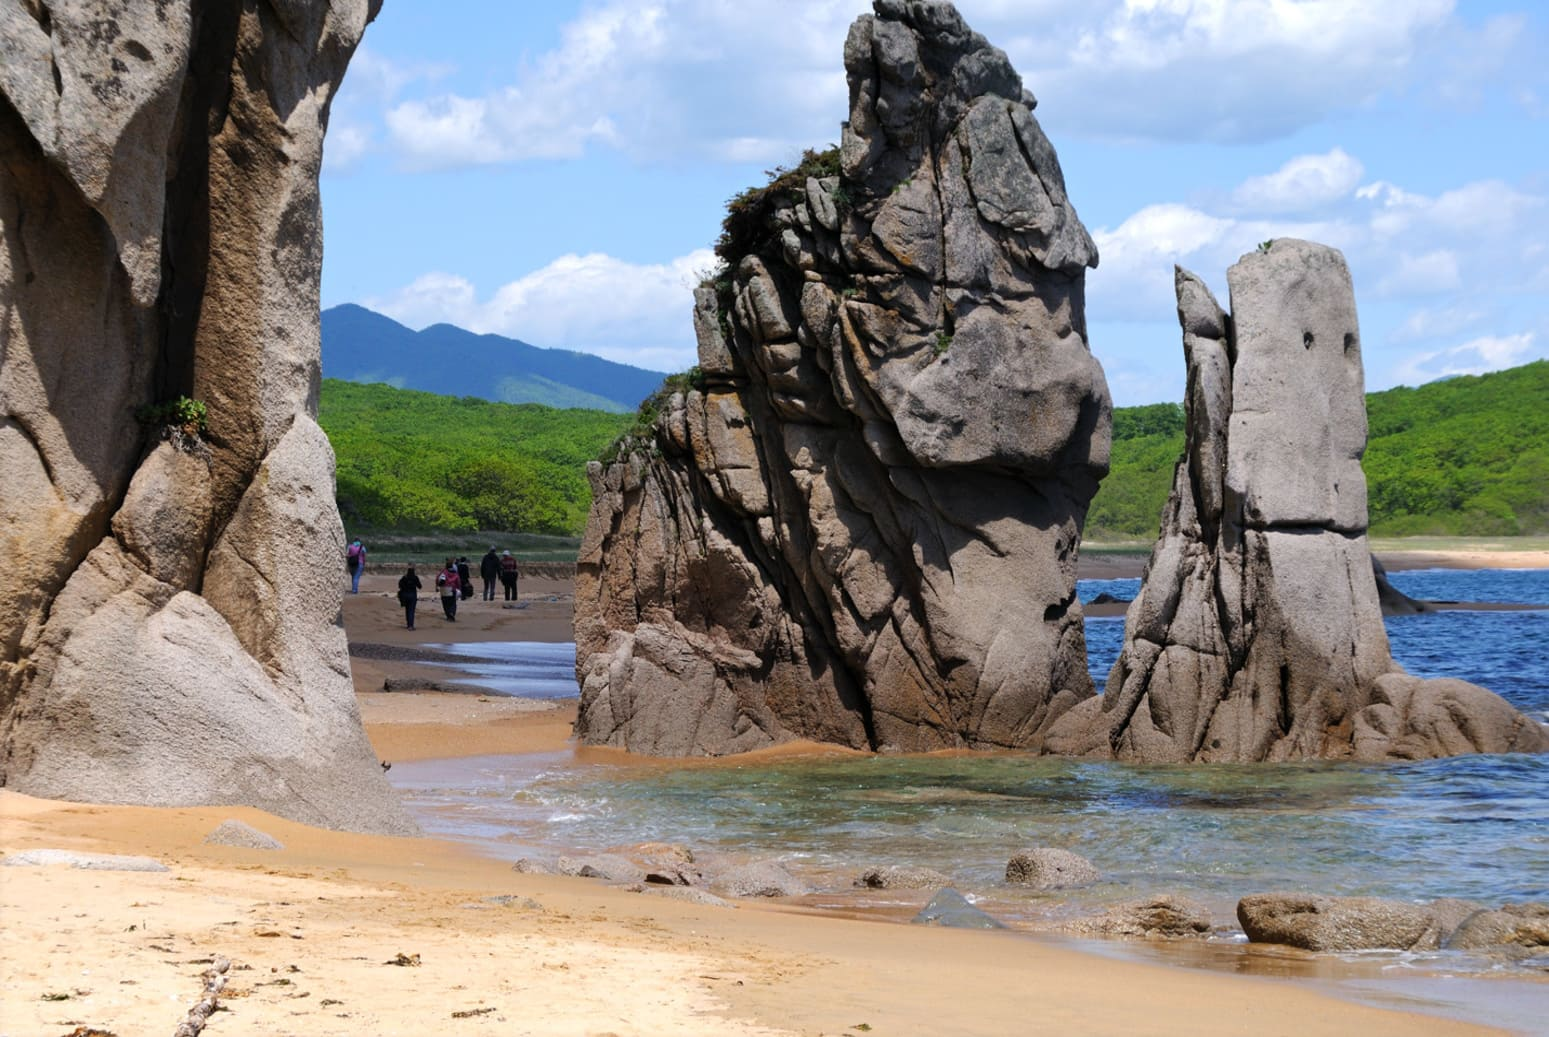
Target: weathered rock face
[
  {"x": 169, "y": 608},
  {"x": 1258, "y": 632},
  {"x": 863, "y": 527}
]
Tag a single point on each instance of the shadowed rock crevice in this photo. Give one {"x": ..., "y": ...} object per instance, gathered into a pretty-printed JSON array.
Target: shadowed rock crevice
[
  {"x": 876, "y": 489},
  {"x": 1258, "y": 633},
  {"x": 169, "y": 612}
]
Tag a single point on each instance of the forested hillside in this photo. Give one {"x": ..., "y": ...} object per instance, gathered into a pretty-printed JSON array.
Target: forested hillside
[
  {"x": 416, "y": 461},
  {"x": 1463, "y": 456}
]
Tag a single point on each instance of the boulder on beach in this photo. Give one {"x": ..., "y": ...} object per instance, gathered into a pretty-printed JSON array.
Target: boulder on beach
[
  {"x": 897, "y": 876},
  {"x": 1257, "y": 633},
  {"x": 760, "y": 879},
  {"x": 951, "y": 910},
  {"x": 1164, "y": 917},
  {"x": 857, "y": 522},
  {"x": 171, "y": 584},
  {"x": 1321, "y": 923},
  {"x": 240, "y": 833},
  {"x": 1048, "y": 867}
]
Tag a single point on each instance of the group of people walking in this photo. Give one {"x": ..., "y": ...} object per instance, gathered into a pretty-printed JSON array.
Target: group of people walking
[{"x": 453, "y": 583}]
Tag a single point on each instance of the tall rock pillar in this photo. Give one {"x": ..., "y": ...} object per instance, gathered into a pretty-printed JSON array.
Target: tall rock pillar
[
  {"x": 1258, "y": 633},
  {"x": 860, "y": 525},
  {"x": 169, "y": 602}
]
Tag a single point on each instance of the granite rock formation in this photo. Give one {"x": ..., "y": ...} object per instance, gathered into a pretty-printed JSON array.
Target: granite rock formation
[
  {"x": 169, "y": 602},
  {"x": 1258, "y": 634},
  {"x": 861, "y": 526}
]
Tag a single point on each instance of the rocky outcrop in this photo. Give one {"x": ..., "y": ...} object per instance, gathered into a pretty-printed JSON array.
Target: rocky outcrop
[
  {"x": 1162, "y": 917},
  {"x": 1319, "y": 923},
  {"x": 169, "y": 603},
  {"x": 860, "y": 525},
  {"x": 1258, "y": 634},
  {"x": 1048, "y": 867}
]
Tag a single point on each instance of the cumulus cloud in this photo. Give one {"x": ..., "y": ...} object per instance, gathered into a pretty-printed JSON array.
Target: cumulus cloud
[
  {"x": 1477, "y": 356},
  {"x": 630, "y": 312},
  {"x": 760, "y": 79},
  {"x": 1461, "y": 258},
  {"x": 654, "y": 80},
  {"x": 1305, "y": 183}
]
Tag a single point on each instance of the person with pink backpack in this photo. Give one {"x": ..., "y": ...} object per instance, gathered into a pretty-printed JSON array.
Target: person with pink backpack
[{"x": 355, "y": 563}]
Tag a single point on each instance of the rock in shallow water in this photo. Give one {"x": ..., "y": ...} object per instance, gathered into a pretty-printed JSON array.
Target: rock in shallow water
[
  {"x": 1258, "y": 633},
  {"x": 1050, "y": 868},
  {"x": 951, "y": 909},
  {"x": 1161, "y": 917},
  {"x": 862, "y": 526}
]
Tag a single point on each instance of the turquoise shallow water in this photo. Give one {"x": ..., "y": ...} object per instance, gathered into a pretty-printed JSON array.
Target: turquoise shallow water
[{"x": 1475, "y": 827}]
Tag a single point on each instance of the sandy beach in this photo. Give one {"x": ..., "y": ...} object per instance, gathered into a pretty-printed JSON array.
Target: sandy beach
[{"x": 346, "y": 934}]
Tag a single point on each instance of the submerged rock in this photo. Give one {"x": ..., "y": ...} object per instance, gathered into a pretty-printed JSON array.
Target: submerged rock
[
  {"x": 170, "y": 593},
  {"x": 860, "y": 525},
  {"x": 1257, "y": 633},
  {"x": 951, "y": 909},
  {"x": 1049, "y": 867}
]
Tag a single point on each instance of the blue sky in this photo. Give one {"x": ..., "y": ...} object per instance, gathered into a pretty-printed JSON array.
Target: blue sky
[{"x": 556, "y": 172}]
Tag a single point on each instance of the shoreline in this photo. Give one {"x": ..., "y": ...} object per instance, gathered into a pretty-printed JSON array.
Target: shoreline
[
  {"x": 575, "y": 956},
  {"x": 313, "y": 931}
]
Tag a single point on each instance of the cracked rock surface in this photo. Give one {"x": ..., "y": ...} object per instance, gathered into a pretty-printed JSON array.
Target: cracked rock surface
[
  {"x": 169, "y": 605},
  {"x": 1257, "y": 633},
  {"x": 862, "y": 527}
]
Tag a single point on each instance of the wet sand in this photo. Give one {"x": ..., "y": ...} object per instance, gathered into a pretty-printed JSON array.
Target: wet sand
[{"x": 313, "y": 932}]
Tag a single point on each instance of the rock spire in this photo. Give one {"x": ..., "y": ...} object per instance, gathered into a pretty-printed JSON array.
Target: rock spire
[
  {"x": 169, "y": 602},
  {"x": 859, "y": 522},
  {"x": 1258, "y": 633}
]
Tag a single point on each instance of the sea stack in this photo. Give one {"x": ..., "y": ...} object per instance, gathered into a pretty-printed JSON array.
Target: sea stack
[
  {"x": 859, "y": 522},
  {"x": 170, "y": 598},
  {"x": 1258, "y": 632}
]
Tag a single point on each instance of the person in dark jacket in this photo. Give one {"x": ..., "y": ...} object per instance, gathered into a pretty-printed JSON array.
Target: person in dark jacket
[
  {"x": 489, "y": 569},
  {"x": 465, "y": 577},
  {"x": 508, "y": 574},
  {"x": 409, "y": 593},
  {"x": 448, "y": 584}
]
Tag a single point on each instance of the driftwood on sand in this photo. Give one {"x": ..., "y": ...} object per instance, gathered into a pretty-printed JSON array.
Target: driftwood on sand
[{"x": 214, "y": 982}]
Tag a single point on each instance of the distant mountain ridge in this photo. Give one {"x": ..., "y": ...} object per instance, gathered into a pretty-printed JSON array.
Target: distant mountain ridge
[{"x": 360, "y": 345}]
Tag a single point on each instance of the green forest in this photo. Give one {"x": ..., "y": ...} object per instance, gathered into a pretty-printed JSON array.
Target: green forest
[
  {"x": 415, "y": 461},
  {"x": 1464, "y": 456}
]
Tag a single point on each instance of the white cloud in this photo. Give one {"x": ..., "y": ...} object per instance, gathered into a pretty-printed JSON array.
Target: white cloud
[
  {"x": 1428, "y": 323},
  {"x": 1304, "y": 183},
  {"x": 633, "y": 313},
  {"x": 670, "y": 79},
  {"x": 1432, "y": 273},
  {"x": 1489, "y": 353},
  {"x": 758, "y": 80}
]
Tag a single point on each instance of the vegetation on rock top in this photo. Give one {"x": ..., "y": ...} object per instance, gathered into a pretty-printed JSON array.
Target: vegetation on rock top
[{"x": 749, "y": 224}]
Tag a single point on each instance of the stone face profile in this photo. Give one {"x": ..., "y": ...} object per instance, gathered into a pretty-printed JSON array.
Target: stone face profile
[
  {"x": 1258, "y": 633},
  {"x": 861, "y": 527},
  {"x": 169, "y": 602}
]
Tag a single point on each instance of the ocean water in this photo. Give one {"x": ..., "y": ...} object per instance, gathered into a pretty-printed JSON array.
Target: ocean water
[
  {"x": 1475, "y": 827},
  {"x": 523, "y": 669}
]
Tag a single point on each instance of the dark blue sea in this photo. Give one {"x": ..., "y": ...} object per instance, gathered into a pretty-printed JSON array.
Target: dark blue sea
[{"x": 1475, "y": 827}]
